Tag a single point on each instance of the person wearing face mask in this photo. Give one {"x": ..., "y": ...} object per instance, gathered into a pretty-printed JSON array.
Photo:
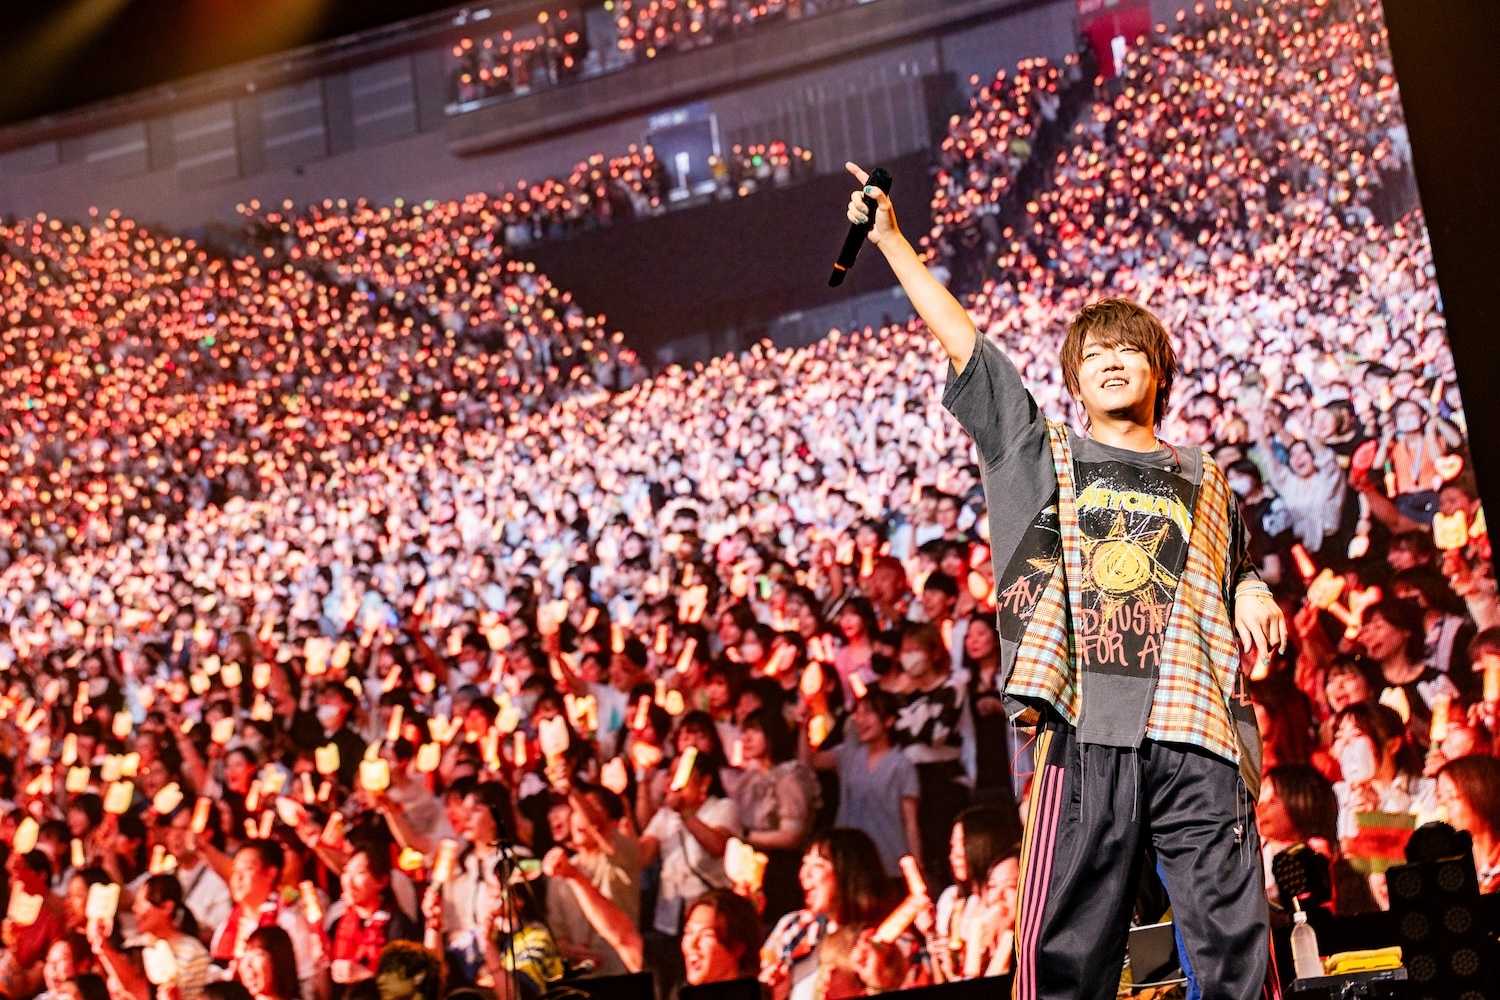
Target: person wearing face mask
[
  {"x": 1266, "y": 516},
  {"x": 330, "y": 722},
  {"x": 1410, "y": 447},
  {"x": 755, "y": 647},
  {"x": 935, "y": 729},
  {"x": 1380, "y": 771},
  {"x": 936, "y": 606},
  {"x": 473, "y": 658}
]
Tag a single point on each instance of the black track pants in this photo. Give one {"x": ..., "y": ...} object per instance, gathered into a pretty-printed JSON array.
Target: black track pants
[{"x": 1093, "y": 810}]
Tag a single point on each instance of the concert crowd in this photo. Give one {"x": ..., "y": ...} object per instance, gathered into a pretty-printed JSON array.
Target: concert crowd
[
  {"x": 596, "y": 194},
  {"x": 557, "y": 48},
  {"x": 370, "y": 622}
]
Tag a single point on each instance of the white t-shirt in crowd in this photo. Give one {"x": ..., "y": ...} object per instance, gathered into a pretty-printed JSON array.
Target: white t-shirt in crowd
[
  {"x": 205, "y": 894},
  {"x": 687, "y": 869}
]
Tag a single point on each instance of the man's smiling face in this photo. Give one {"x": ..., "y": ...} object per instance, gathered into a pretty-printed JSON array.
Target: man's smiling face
[{"x": 1116, "y": 379}]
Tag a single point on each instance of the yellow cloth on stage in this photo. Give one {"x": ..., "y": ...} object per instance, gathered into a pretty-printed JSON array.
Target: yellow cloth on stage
[{"x": 1362, "y": 961}]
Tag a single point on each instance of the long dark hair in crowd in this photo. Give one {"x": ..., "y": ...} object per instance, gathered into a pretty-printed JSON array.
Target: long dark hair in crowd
[
  {"x": 278, "y": 946},
  {"x": 989, "y": 838},
  {"x": 1308, "y": 799},
  {"x": 860, "y": 894},
  {"x": 161, "y": 889}
]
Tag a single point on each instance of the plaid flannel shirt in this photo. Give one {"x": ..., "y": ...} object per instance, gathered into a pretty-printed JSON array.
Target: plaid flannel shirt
[{"x": 1200, "y": 657}]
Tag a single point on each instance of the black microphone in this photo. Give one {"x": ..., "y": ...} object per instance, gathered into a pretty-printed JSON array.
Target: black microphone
[{"x": 879, "y": 178}]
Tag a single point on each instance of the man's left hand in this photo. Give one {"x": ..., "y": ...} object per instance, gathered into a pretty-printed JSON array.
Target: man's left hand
[{"x": 1259, "y": 622}]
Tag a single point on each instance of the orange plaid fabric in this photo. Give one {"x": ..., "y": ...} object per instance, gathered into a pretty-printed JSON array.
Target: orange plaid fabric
[{"x": 1200, "y": 655}]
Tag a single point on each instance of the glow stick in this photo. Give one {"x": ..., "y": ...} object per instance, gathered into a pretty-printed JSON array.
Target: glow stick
[
  {"x": 24, "y": 908},
  {"x": 200, "y": 815},
  {"x": 916, "y": 885},
  {"x": 812, "y": 680},
  {"x": 614, "y": 777},
  {"x": 103, "y": 900},
  {"x": 326, "y": 759},
  {"x": 780, "y": 660},
  {"x": 552, "y": 734},
  {"x": 310, "y": 907},
  {"x": 900, "y": 919},
  {"x": 1441, "y": 706},
  {"x": 1304, "y": 562},
  {"x": 442, "y": 868},
  {"x": 26, "y": 836},
  {"x": 684, "y": 769},
  {"x": 167, "y": 799},
  {"x": 117, "y": 798}
]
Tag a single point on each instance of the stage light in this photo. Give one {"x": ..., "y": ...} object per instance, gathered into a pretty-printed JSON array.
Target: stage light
[
  {"x": 1302, "y": 873},
  {"x": 1435, "y": 903}
]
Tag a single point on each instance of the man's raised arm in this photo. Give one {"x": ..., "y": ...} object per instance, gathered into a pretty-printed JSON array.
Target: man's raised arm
[{"x": 942, "y": 313}]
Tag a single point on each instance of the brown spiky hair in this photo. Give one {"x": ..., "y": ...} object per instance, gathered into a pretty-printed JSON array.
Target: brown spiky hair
[{"x": 1115, "y": 321}]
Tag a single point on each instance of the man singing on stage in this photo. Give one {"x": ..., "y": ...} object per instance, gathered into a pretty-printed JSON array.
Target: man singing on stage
[{"x": 1122, "y": 578}]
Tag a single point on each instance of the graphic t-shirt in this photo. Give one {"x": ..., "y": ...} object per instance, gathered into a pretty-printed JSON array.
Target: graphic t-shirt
[
  {"x": 1135, "y": 521},
  {"x": 1135, "y": 516},
  {"x": 931, "y": 725},
  {"x": 1135, "y": 510}
]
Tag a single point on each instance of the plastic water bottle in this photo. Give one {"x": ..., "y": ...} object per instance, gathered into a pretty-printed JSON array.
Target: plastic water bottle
[{"x": 1305, "y": 946}]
